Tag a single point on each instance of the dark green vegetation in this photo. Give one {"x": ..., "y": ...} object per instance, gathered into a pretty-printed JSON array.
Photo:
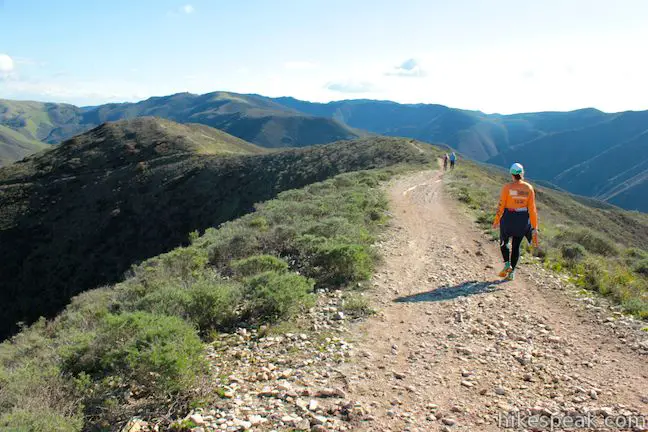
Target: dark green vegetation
[
  {"x": 136, "y": 347},
  {"x": 80, "y": 215},
  {"x": 605, "y": 249}
]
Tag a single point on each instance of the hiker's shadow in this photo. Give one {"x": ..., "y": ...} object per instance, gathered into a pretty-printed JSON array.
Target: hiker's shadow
[{"x": 444, "y": 293}]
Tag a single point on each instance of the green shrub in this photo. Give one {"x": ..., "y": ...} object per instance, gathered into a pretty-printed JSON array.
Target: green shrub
[
  {"x": 232, "y": 241},
  {"x": 160, "y": 353},
  {"x": 332, "y": 227},
  {"x": 259, "y": 222},
  {"x": 340, "y": 264},
  {"x": 590, "y": 240},
  {"x": 182, "y": 263},
  {"x": 593, "y": 276},
  {"x": 36, "y": 384},
  {"x": 486, "y": 218},
  {"x": 636, "y": 253},
  {"x": 86, "y": 310},
  {"x": 642, "y": 267},
  {"x": 209, "y": 304},
  {"x": 463, "y": 195},
  {"x": 636, "y": 306},
  {"x": 572, "y": 251},
  {"x": 274, "y": 296},
  {"x": 356, "y": 306},
  {"x": 258, "y": 264},
  {"x": 39, "y": 419}
]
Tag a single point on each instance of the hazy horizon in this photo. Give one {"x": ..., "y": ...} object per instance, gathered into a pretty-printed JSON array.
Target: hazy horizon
[{"x": 306, "y": 100}]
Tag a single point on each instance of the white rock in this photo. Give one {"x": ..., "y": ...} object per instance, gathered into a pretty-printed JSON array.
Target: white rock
[
  {"x": 197, "y": 419},
  {"x": 257, "y": 420}
]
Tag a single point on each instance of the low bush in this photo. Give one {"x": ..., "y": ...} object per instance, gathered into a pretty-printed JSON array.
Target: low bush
[
  {"x": 356, "y": 305},
  {"x": 159, "y": 353},
  {"x": 642, "y": 267},
  {"x": 207, "y": 303},
  {"x": 340, "y": 264},
  {"x": 273, "y": 296},
  {"x": 572, "y": 251},
  {"x": 182, "y": 263},
  {"x": 258, "y": 264},
  {"x": 590, "y": 240},
  {"x": 39, "y": 419}
]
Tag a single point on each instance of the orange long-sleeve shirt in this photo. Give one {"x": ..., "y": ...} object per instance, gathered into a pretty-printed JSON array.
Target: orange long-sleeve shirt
[{"x": 517, "y": 196}]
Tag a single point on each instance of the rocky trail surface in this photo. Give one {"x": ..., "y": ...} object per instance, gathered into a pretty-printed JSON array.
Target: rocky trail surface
[
  {"x": 454, "y": 349},
  {"x": 449, "y": 349}
]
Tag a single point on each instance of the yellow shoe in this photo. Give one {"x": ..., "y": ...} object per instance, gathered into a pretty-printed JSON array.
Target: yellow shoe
[{"x": 505, "y": 271}]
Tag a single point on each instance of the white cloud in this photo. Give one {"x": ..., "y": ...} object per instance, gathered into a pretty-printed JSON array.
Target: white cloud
[
  {"x": 351, "y": 87},
  {"x": 187, "y": 9},
  {"x": 409, "y": 68},
  {"x": 6, "y": 64},
  {"x": 67, "y": 89},
  {"x": 299, "y": 65}
]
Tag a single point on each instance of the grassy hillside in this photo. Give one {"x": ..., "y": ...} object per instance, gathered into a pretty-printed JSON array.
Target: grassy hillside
[
  {"x": 27, "y": 127},
  {"x": 80, "y": 215},
  {"x": 603, "y": 249},
  {"x": 15, "y": 146},
  {"x": 46, "y": 122},
  {"x": 135, "y": 348}
]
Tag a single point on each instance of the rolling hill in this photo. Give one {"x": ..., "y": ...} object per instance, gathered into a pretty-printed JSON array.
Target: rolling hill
[
  {"x": 607, "y": 160},
  {"x": 14, "y": 146},
  {"x": 253, "y": 118},
  {"x": 585, "y": 151},
  {"x": 477, "y": 135},
  {"x": 80, "y": 215},
  {"x": 27, "y": 127},
  {"x": 50, "y": 123}
]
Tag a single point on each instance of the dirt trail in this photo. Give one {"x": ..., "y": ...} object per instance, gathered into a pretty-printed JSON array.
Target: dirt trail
[{"x": 453, "y": 349}]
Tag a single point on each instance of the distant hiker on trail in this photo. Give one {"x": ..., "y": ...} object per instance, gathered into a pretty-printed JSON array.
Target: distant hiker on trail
[
  {"x": 517, "y": 218},
  {"x": 445, "y": 162},
  {"x": 453, "y": 159}
]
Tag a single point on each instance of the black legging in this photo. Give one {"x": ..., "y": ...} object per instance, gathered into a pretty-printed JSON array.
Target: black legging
[{"x": 509, "y": 256}]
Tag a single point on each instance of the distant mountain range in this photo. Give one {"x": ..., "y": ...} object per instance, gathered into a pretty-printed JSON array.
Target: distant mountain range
[{"x": 587, "y": 152}]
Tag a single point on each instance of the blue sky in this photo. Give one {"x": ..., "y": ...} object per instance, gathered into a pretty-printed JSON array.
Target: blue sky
[{"x": 496, "y": 56}]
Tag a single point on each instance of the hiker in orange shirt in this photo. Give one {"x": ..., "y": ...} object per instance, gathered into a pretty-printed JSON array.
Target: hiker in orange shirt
[{"x": 517, "y": 218}]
